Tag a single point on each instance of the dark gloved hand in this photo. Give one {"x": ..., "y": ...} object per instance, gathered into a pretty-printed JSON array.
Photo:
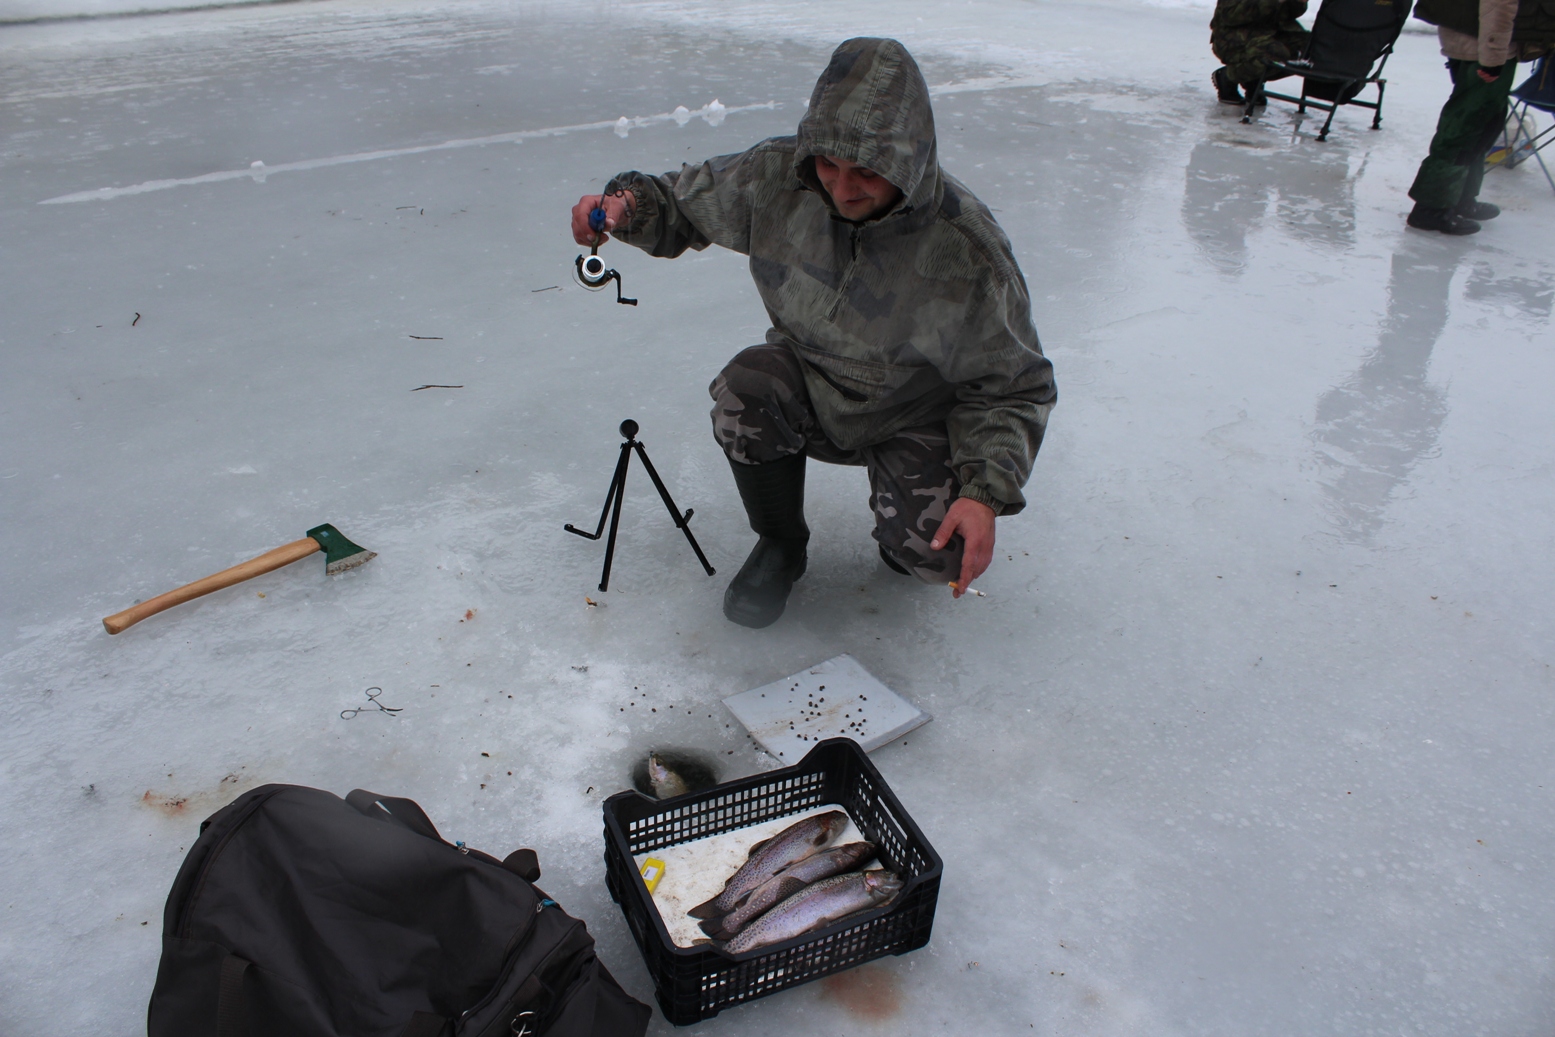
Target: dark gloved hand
[{"x": 1490, "y": 75}]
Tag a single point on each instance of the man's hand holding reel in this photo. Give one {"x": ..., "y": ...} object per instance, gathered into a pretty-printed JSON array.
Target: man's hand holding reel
[{"x": 597, "y": 222}]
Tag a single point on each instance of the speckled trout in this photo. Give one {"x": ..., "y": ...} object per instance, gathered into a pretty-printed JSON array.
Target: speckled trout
[
  {"x": 818, "y": 905},
  {"x": 787, "y": 882},
  {"x": 767, "y": 858}
]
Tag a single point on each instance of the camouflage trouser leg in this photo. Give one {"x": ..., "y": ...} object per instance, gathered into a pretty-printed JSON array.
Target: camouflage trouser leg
[
  {"x": 762, "y": 412},
  {"x": 1247, "y": 54},
  {"x": 911, "y": 486}
]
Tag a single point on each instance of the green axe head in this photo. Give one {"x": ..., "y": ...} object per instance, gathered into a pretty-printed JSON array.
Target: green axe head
[{"x": 339, "y": 553}]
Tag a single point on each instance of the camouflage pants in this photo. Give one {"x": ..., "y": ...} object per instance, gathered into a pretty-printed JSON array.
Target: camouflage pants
[
  {"x": 1247, "y": 53},
  {"x": 762, "y": 412}
]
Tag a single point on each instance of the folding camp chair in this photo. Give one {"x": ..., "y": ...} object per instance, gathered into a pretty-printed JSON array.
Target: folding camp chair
[
  {"x": 1349, "y": 37},
  {"x": 1520, "y": 143}
]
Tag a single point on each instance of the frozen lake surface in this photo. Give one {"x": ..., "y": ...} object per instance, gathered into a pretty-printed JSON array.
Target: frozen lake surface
[{"x": 1251, "y": 736}]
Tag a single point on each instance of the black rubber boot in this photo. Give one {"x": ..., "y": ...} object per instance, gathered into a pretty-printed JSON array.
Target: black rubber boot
[
  {"x": 1225, "y": 88},
  {"x": 1477, "y": 210},
  {"x": 773, "y": 495},
  {"x": 1444, "y": 220}
]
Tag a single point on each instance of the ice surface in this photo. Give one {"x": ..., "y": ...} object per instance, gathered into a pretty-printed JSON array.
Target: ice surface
[
  {"x": 1252, "y": 737},
  {"x": 35, "y": 11},
  {"x": 837, "y": 698},
  {"x": 695, "y": 872}
]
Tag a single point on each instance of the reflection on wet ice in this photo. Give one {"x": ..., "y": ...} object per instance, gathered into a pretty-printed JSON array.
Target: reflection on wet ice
[
  {"x": 1373, "y": 428},
  {"x": 1530, "y": 297},
  {"x": 1228, "y": 188}
]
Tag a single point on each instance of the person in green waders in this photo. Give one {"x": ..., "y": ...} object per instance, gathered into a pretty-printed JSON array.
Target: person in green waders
[{"x": 1483, "y": 40}]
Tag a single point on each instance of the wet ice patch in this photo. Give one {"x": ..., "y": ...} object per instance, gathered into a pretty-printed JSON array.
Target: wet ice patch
[{"x": 1118, "y": 103}]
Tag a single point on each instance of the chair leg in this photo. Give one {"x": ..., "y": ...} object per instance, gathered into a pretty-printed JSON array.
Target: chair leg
[
  {"x": 1322, "y": 134},
  {"x": 1252, "y": 96},
  {"x": 1376, "y": 120},
  {"x": 1540, "y": 159},
  {"x": 1522, "y": 138},
  {"x": 1510, "y": 139}
]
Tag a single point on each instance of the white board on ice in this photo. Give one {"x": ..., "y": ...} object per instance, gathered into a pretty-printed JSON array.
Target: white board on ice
[{"x": 836, "y": 698}]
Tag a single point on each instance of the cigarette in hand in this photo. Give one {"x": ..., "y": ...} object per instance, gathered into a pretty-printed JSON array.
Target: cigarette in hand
[{"x": 970, "y": 590}]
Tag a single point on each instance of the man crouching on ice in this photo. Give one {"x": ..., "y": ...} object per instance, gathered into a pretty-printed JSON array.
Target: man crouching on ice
[{"x": 901, "y": 334}]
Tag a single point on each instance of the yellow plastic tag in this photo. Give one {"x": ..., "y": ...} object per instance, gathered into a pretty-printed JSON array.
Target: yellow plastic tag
[{"x": 653, "y": 871}]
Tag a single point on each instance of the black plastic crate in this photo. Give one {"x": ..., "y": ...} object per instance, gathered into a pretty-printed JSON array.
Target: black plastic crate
[{"x": 696, "y": 983}]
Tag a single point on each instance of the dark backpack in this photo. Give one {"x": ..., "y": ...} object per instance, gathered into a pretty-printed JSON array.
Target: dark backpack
[{"x": 299, "y": 914}]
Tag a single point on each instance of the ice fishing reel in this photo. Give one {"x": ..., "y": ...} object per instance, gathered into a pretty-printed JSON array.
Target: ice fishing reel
[{"x": 592, "y": 272}]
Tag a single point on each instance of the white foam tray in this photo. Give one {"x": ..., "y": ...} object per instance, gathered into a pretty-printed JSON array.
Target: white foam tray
[{"x": 836, "y": 698}]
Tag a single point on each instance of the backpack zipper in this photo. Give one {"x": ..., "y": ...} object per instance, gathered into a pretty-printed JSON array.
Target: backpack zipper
[
  {"x": 181, "y": 928},
  {"x": 510, "y": 956},
  {"x": 567, "y": 979}
]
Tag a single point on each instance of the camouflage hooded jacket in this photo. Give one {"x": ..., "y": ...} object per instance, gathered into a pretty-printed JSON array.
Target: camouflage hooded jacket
[{"x": 919, "y": 315}]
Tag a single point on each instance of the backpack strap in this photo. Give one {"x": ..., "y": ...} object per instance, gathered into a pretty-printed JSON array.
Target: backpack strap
[
  {"x": 231, "y": 1019},
  {"x": 408, "y": 814},
  {"x": 405, "y": 812},
  {"x": 523, "y": 863}
]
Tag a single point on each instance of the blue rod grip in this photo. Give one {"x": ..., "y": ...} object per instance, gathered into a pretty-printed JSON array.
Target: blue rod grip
[{"x": 597, "y": 219}]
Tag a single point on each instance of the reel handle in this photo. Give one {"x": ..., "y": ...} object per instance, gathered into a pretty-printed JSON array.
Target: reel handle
[{"x": 593, "y": 275}]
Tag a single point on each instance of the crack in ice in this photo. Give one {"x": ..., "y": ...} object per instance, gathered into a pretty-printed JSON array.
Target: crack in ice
[{"x": 713, "y": 112}]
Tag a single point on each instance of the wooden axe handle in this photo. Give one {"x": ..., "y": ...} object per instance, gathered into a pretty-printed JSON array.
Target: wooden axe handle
[{"x": 285, "y": 555}]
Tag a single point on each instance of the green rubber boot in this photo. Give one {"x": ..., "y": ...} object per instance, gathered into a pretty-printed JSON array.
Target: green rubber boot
[{"x": 773, "y": 495}]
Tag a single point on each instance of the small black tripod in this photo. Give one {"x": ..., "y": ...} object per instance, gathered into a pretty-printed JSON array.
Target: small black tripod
[{"x": 617, "y": 493}]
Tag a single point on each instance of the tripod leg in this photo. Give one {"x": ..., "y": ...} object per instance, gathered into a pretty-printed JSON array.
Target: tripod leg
[
  {"x": 613, "y": 493},
  {"x": 681, "y": 521},
  {"x": 615, "y": 516}
]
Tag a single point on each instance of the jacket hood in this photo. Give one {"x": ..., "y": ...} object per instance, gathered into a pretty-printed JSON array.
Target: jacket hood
[{"x": 871, "y": 106}]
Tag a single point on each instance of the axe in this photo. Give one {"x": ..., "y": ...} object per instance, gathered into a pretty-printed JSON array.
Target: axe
[{"x": 339, "y": 555}]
